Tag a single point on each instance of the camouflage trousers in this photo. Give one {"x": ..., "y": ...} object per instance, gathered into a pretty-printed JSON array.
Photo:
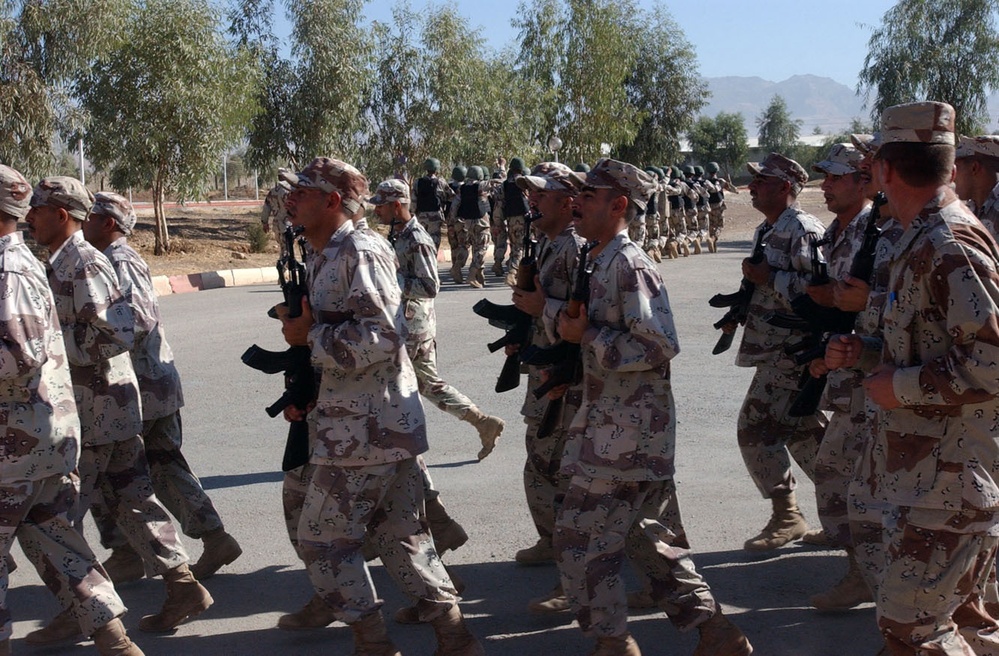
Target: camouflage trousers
[
  {"x": 37, "y": 513},
  {"x": 651, "y": 231},
  {"x": 637, "y": 230},
  {"x": 703, "y": 221},
  {"x": 937, "y": 566},
  {"x": 835, "y": 463},
  {"x": 544, "y": 484},
  {"x": 866, "y": 514},
  {"x": 341, "y": 506},
  {"x": 470, "y": 236},
  {"x": 432, "y": 223},
  {"x": 677, "y": 226},
  {"x": 515, "y": 233},
  {"x": 716, "y": 219},
  {"x": 690, "y": 220},
  {"x": 175, "y": 485},
  {"x": 434, "y": 388},
  {"x": 498, "y": 230},
  {"x": 599, "y": 523},
  {"x": 768, "y": 438},
  {"x": 119, "y": 474},
  {"x": 457, "y": 241}
]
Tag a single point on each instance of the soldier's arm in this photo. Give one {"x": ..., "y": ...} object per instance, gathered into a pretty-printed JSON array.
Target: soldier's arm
[
  {"x": 137, "y": 290},
  {"x": 566, "y": 262},
  {"x": 421, "y": 280},
  {"x": 24, "y": 320},
  {"x": 104, "y": 324}
]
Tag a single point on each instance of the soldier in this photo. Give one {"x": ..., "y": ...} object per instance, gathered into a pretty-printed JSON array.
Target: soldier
[
  {"x": 456, "y": 227},
  {"x": 497, "y": 220},
  {"x": 368, "y": 424},
  {"x": 432, "y": 196},
  {"x": 98, "y": 332},
  {"x": 677, "y": 240},
  {"x": 935, "y": 457},
  {"x": 716, "y": 203},
  {"x": 651, "y": 243},
  {"x": 514, "y": 208},
  {"x": 619, "y": 451},
  {"x": 704, "y": 189},
  {"x": 470, "y": 212},
  {"x": 39, "y": 486},
  {"x": 689, "y": 199},
  {"x": 110, "y": 222},
  {"x": 976, "y": 177},
  {"x": 273, "y": 216},
  {"x": 767, "y": 436}
]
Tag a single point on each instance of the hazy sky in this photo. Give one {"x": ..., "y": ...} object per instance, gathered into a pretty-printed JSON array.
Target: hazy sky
[{"x": 772, "y": 39}]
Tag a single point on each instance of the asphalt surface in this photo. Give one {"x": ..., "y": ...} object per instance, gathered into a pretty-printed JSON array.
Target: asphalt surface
[{"x": 236, "y": 449}]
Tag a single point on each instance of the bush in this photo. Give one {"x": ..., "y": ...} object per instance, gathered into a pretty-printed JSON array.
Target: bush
[{"x": 257, "y": 237}]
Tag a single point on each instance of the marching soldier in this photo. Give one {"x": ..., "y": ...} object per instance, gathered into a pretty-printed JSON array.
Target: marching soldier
[
  {"x": 716, "y": 204},
  {"x": 432, "y": 196},
  {"x": 976, "y": 177},
  {"x": 514, "y": 208},
  {"x": 470, "y": 215}
]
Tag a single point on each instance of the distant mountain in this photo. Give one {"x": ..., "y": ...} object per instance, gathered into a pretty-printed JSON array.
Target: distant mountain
[{"x": 817, "y": 101}]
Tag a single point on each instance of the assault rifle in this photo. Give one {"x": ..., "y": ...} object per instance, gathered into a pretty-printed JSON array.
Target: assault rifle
[
  {"x": 295, "y": 361},
  {"x": 737, "y": 302},
  {"x": 514, "y": 321},
  {"x": 563, "y": 359}
]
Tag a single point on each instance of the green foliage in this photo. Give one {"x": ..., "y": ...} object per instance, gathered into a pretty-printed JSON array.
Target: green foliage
[
  {"x": 778, "y": 132},
  {"x": 721, "y": 139},
  {"x": 941, "y": 50},
  {"x": 258, "y": 238}
]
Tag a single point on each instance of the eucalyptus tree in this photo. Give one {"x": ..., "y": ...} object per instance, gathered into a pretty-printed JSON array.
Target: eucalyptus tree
[{"x": 778, "y": 132}]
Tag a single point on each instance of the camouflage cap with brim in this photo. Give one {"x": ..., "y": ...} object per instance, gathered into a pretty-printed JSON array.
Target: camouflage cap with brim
[
  {"x": 919, "y": 122},
  {"x": 550, "y": 176},
  {"x": 842, "y": 158},
  {"x": 15, "y": 193},
  {"x": 777, "y": 166},
  {"x": 626, "y": 178},
  {"x": 329, "y": 175},
  {"x": 65, "y": 193},
  {"x": 862, "y": 142},
  {"x": 117, "y": 207},
  {"x": 390, "y": 191},
  {"x": 986, "y": 145}
]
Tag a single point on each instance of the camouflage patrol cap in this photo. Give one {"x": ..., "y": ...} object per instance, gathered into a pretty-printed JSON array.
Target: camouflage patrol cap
[
  {"x": 919, "y": 122},
  {"x": 986, "y": 145},
  {"x": 390, "y": 191},
  {"x": 550, "y": 176},
  {"x": 329, "y": 175},
  {"x": 842, "y": 158},
  {"x": 862, "y": 142},
  {"x": 625, "y": 178},
  {"x": 65, "y": 193},
  {"x": 777, "y": 166},
  {"x": 15, "y": 193},
  {"x": 117, "y": 207}
]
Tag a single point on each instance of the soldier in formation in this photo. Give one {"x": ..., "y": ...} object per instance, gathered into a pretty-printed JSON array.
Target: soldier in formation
[
  {"x": 433, "y": 196},
  {"x": 717, "y": 186}
]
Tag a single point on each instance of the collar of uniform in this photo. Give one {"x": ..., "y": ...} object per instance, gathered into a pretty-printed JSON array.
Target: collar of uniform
[
  {"x": 612, "y": 247},
  {"x": 76, "y": 237},
  {"x": 991, "y": 201}
]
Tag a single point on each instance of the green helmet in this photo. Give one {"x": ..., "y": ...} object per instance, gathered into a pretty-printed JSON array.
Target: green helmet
[
  {"x": 432, "y": 165},
  {"x": 517, "y": 165},
  {"x": 712, "y": 167},
  {"x": 688, "y": 170},
  {"x": 475, "y": 173},
  {"x": 659, "y": 173},
  {"x": 582, "y": 167},
  {"x": 698, "y": 170},
  {"x": 675, "y": 171},
  {"x": 458, "y": 173}
]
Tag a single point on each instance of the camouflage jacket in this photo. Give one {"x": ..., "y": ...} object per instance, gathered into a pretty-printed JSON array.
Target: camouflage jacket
[
  {"x": 787, "y": 251},
  {"x": 368, "y": 409},
  {"x": 626, "y": 427},
  {"x": 940, "y": 449},
  {"x": 418, "y": 280},
  {"x": 152, "y": 359},
  {"x": 989, "y": 212},
  {"x": 40, "y": 426},
  {"x": 98, "y": 330}
]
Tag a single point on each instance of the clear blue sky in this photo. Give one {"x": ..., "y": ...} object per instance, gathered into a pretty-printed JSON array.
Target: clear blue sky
[{"x": 772, "y": 39}]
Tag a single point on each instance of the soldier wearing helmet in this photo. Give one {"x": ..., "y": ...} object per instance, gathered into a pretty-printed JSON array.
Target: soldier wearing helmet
[
  {"x": 432, "y": 196},
  {"x": 716, "y": 203}
]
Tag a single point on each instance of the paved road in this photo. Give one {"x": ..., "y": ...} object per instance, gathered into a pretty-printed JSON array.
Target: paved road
[{"x": 236, "y": 449}]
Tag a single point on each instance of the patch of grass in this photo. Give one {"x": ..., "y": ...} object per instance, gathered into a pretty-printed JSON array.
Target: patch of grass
[{"x": 257, "y": 237}]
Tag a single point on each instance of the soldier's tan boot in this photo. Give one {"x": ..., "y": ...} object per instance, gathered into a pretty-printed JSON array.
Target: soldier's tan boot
[
  {"x": 475, "y": 277},
  {"x": 124, "y": 565},
  {"x": 851, "y": 591},
  {"x": 371, "y": 637},
  {"x": 447, "y": 533},
  {"x": 62, "y": 628},
  {"x": 498, "y": 269},
  {"x": 186, "y": 598},
  {"x": 542, "y": 553},
  {"x": 787, "y": 524},
  {"x": 456, "y": 274},
  {"x": 488, "y": 427},
  {"x": 553, "y": 602},
  {"x": 221, "y": 549},
  {"x": 686, "y": 249},
  {"x": 719, "y": 637},
  {"x": 411, "y": 614},
  {"x": 617, "y": 646},
  {"x": 697, "y": 246},
  {"x": 314, "y": 615},
  {"x": 673, "y": 252},
  {"x": 453, "y": 637},
  {"x": 112, "y": 640}
]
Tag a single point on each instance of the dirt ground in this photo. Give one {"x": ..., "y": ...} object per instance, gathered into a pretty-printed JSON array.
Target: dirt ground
[{"x": 212, "y": 238}]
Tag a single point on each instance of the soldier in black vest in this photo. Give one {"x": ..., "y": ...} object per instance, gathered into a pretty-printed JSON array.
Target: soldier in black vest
[
  {"x": 716, "y": 203},
  {"x": 470, "y": 209},
  {"x": 455, "y": 236},
  {"x": 690, "y": 208},
  {"x": 514, "y": 209},
  {"x": 497, "y": 220},
  {"x": 432, "y": 196}
]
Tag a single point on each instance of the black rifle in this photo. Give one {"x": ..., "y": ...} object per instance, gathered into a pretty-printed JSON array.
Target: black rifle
[
  {"x": 295, "y": 361},
  {"x": 738, "y": 302},
  {"x": 515, "y": 322},
  {"x": 565, "y": 358}
]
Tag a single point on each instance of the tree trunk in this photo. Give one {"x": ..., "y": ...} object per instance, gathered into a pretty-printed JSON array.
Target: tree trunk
[{"x": 162, "y": 245}]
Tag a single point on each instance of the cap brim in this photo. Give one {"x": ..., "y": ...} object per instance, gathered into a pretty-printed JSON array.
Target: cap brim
[
  {"x": 755, "y": 169},
  {"x": 544, "y": 183},
  {"x": 833, "y": 168},
  {"x": 862, "y": 142},
  {"x": 295, "y": 180}
]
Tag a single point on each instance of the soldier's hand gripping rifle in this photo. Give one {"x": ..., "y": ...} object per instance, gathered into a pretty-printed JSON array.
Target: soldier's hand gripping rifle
[
  {"x": 514, "y": 321},
  {"x": 738, "y": 302},
  {"x": 563, "y": 359},
  {"x": 295, "y": 362}
]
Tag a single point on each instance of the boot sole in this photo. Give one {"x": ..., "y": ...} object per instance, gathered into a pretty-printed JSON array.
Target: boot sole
[
  {"x": 202, "y": 607},
  {"x": 201, "y": 576}
]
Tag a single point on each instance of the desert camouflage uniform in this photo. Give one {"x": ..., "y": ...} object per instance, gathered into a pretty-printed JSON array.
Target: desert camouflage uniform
[
  {"x": 470, "y": 234},
  {"x": 514, "y": 223},
  {"x": 433, "y": 221},
  {"x": 544, "y": 482},
  {"x": 619, "y": 453},
  {"x": 935, "y": 459},
  {"x": 652, "y": 210},
  {"x": 716, "y": 205},
  {"x": 498, "y": 230},
  {"x": 988, "y": 214},
  {"x": 704, "y": 189},
  {"x": 98, "y": 333},
  {"x": 369, "y": 428},
  {"x": 677, "y": 232},
  {"x": 689, "y": 198},
  {"x": 274, "y": 215},
  {"x": 38, "y": 489},
  {"x": 175, "y": 484},
  {"x": 848, "y": 426},
  {"x": 767, "y": 437}
]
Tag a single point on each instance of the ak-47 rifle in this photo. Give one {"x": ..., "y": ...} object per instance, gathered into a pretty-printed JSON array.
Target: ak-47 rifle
[
  {"x": 514, "y": 321},
  {"x": 824, "y": 322},
  {"x": 563, "y": 359},
  {"x": 295, "y": 361},
  {"x": 738, "y": 302}
]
